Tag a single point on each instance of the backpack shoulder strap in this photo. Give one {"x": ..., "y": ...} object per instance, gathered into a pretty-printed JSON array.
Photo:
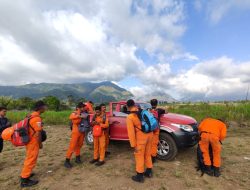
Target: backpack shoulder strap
[{"x": 104, "y": 118}]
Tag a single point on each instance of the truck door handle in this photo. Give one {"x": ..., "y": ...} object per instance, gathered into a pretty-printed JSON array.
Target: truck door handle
[{"x": 116, "y": 122}]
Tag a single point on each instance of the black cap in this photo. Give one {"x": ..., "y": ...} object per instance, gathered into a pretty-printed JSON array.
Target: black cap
[
  {"x": 38, "y": 105},
  {"x": 130, "y": 103}
]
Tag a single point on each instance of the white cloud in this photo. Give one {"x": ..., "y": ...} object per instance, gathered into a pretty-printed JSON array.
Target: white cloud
[
  {"x": 217, "y": 9},
  {"x": 75, "y": 41}
]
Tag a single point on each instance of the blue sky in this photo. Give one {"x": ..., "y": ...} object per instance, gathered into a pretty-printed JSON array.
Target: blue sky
[{"x": 192, "y": 50}]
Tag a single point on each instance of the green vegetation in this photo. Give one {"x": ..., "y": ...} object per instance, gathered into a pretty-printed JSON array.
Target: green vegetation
[
  {"x": 233, "y": 111},
  {"x": 49, "y": 118},
  {"x": 229, "y": 111}
]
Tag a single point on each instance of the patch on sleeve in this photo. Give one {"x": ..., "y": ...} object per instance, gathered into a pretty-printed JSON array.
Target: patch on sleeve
[{"x": 39, "y": 124}]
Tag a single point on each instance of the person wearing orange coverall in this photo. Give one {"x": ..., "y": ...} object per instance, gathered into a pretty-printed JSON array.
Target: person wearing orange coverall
[
  {"x": 35, "y": 143},
  {"x": 99, "y": 142},
  {"x": 77, "y": 137},
  {"x": 212, "y": 132},
  {"x": 140, "y": 142},
  {"x": 156, "y": 133},
  {"x": 106, "y": 131}
]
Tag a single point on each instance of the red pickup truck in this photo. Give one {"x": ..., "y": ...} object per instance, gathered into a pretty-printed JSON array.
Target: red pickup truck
[{"x": 176, "y": 131}]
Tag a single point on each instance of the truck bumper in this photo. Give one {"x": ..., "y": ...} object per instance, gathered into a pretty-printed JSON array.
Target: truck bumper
[{"x": 185, "y": 139}]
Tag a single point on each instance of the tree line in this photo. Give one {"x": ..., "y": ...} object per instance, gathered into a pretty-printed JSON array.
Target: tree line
[{"x": 27, "y": 103}]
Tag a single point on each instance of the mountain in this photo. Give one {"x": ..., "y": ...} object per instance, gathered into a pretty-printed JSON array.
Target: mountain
[
  {"x": 97, "y": 92},
  {"x": 160, "y": 96}
]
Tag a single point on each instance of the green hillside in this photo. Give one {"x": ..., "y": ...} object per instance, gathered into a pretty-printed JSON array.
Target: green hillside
[{"x": 97, "y": 92}]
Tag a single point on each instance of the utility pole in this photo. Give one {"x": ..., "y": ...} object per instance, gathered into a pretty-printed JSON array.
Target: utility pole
[{"x": 247, "y": 92}]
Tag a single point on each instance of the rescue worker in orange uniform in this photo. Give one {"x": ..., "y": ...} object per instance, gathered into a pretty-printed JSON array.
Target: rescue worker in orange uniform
[
  {"x": 156, "y": 133},
  {"x": 106, "y": 131},
  {"x": 32, "y": 148},
  {"x": 99, "y": 142},
  {"x": 140, "y": 142},
  {"x": 77, "y": 137},
  {"x": 90, "y": 105},
  {"x": 212, "y": 132}
]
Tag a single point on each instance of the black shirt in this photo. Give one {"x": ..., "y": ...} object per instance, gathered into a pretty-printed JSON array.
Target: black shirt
[{"x": 4, "y": 123}]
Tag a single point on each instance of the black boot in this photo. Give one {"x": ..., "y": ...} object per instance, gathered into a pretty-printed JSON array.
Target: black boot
[
  {"x": 99, "y": 163},
  {"x": 209, "y": 171},
  {"x": 107, "y": 153},
  {"x": 67, "y": 163},
  {"x": 26, "y": 182},
  {"x": 138, "y": 178},
  {"x": 217, "y": 172},
  {"x": 153, "y": 159},
  {"x": 78, "y": 160},
  {"x": 148, "y": 173},
  {"x": 93, "y": 161}
]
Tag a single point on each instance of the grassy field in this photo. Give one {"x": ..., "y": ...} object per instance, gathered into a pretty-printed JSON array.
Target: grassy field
[
  {"x": 238, "y": 112},
  {"x": 179, "y": 174}
]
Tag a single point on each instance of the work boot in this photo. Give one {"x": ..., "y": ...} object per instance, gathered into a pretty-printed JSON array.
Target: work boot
[
  {"x": 26, "y": 182},
  {"x": 67, "y": 163},
  {"x": 107, "y": 153},
  {"x": 217, "y": 172},
  {"x": 148, "y": 173},
  {"x": 78, "y": 160},
  {"x": 99, "y": 163},
  {"x": 138, "y": 178},
  {"x": 209, "y": 171},
  {"x": 32, "y": 175},
  {"x": 93, "y": 161},
  {"x": 153, "y": 159}
]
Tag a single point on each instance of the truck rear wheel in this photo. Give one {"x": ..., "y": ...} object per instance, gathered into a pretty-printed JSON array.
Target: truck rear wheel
[
  {"x": 167, "y": 148},
  {"x": 89, "y": 139}
]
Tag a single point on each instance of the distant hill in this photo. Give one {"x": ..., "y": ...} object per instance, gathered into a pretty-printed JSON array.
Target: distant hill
[
  {"x": 160, "y": 96},
  {"x": 97, "y": 92}
]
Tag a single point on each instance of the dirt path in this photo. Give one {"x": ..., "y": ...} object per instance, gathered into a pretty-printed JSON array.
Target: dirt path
[{"x": 179, "y": 174}]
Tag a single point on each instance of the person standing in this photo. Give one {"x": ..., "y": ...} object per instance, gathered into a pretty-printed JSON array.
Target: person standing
[
  {"x": 77, "y": 137},
  {"x": 35, "y": 143},
  {"x": 140, "y": 142},
  {"x": 4, "y": 123},
  {"x": 212, "y": 132},
  {"x": 99, "y": 142},
  {"x": 106, "y": 131},
  {"x": 156, "y": 132}
]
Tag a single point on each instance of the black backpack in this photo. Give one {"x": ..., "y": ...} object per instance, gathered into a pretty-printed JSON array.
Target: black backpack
[{"x": 200, "y": 160}]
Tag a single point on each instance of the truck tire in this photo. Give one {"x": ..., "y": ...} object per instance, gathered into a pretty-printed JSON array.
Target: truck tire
[
  {"x": 167, "y": 148},
  {"x": 89, "y": 139}
]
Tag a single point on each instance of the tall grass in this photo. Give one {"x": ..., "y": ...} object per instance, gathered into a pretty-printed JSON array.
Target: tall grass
[
  {"x": 238, "y": 112},
  {"x": 49, "y": 117}
]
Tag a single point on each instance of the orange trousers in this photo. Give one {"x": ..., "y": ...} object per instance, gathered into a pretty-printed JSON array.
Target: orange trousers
[
  {"x": 106, "y": 132},
  {"x": 75, "y": 144},
  {"x": 99, "y": 147},
  {"x": 32, "y": 151},
  {"x": 206, "y": 139},
  {"x": 155, "y": 143},
  {"x": 143, "y": 151}
]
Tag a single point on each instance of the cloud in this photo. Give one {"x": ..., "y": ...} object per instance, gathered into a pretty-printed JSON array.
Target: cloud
[
  {"x": 217, "y": 79},
  {"x": 76, "y": 41},
  {"x": 217, "y": 9}
]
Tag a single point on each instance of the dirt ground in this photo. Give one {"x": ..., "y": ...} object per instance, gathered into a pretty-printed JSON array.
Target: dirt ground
[{"x": 179, "y": 174}]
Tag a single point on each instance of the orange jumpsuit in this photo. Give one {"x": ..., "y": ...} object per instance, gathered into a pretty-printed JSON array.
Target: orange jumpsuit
[
  {"x": 32, "y": 148},
  {"x": 156, "y": 134},
  {"x": 142, "y": 142},
  {"x": 77, "y": 137},
  {"x": 212, "y": 132},
  {"x": 99, "y": 142}
]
